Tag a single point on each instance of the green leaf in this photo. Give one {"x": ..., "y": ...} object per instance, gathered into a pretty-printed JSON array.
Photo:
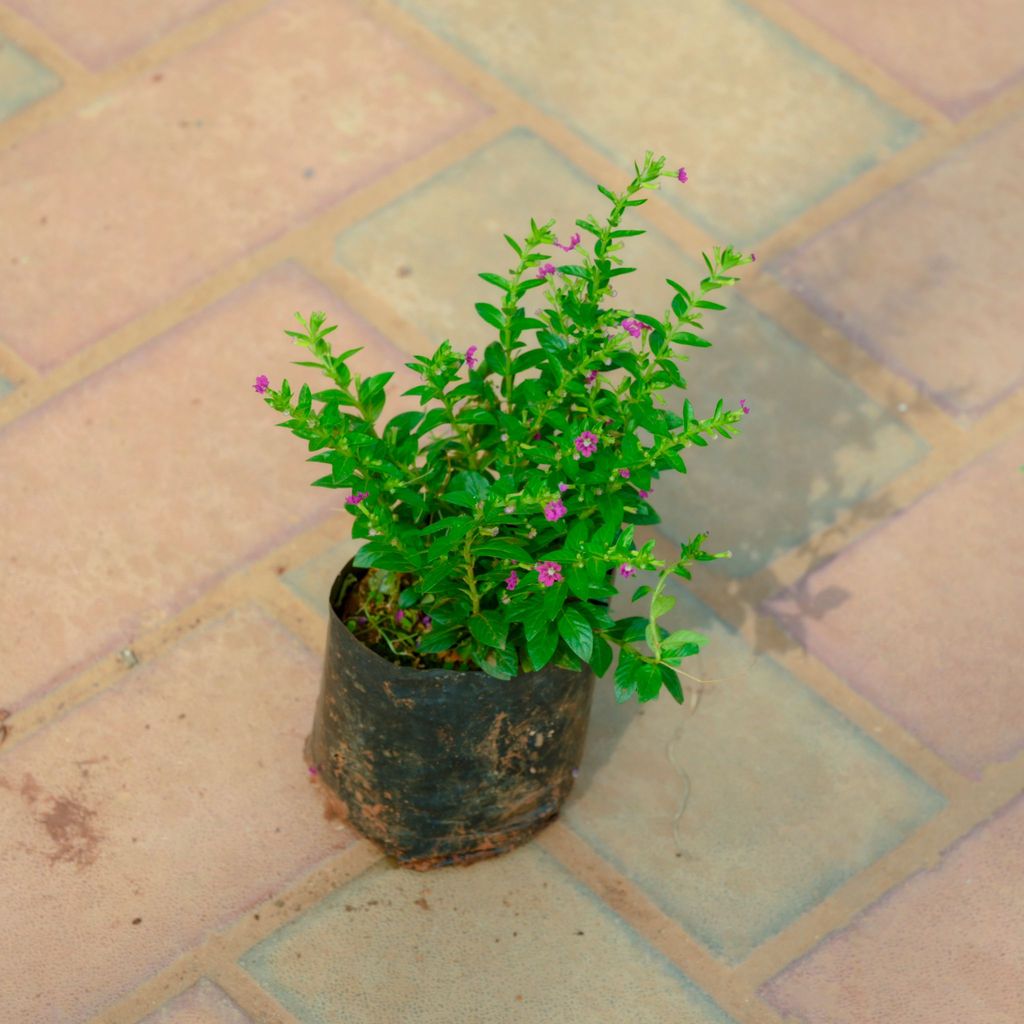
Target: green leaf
[
  {"x": 541, "y": 646},
  {"x": 511, "y": 241},
  {"x": 662, "y": 603},
  {"x": 626, "y": 233},
  {"x": 686, "y": 338},
  {"x": 497, "y": 280},
  {"x": 688, "y": 416},
  {"x": 475, "y": 483},
  {"x": 500, "y": 549},
  {"x": 619, "y": 271},
  {"x": 575, "y": 630},
  {"x": 671, "y": 683},
  {"x": 681, "y": 638},
  {"x": 601, "y": 658},
  {"x": 626, "y": 674},
  {"x": 490, "y": 314},
  {"x": 705, "y": 304},
  {"x": 608, "y": 195},
  {"x": 461, "y": 498},
  {"x": 489, "y": 628}
]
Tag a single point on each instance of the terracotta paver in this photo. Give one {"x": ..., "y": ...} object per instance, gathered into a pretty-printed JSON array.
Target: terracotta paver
[
  {"x": 101, "y": 32},
  {"x": 932, "y": 255},
  {"x": 156, "y": 812},
  {"x": 360, "y": 104},
  {"x": 394, "y": 945},
  {"x": 925, "y": 608},
  {"x": 23, "y": 79},
  {"x": 203, "y": 1003},
  {"x": 787, "y": 798},
  {"x": 179, "y": 476},
  {"x": 764, "y": 126},
  {"x": 959, "y": 930},
  {"x": 956, "y": 55}
]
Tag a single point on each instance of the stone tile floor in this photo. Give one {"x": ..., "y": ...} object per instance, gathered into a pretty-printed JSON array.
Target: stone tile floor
[{"x": 831, "y": 829}]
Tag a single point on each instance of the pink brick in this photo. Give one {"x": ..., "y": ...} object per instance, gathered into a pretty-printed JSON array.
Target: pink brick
[
  {"x": 245, "y": 136},
  {"x": 936, "y": 255},
  {"x": 101, "y": 32},
  {"x": 955, "y": 54},
  {"x": 923, "y": 615},
  {"x": 178, "y": 799},
  {"x": 130, "y": 494},
  {"x": 946, "y": 947},
  {"x": 203, "y": 1003}
]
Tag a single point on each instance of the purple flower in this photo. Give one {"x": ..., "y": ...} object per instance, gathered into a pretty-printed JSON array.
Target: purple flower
[
  {"x": 425, "y": 621},
  {"x": 591, "y": 377},
  {"x": 682, "y": 175},
  {"x": 554, "y": 510},
  {"x": 634, "y": 327},
  {"x": 546, "y": 270},
  {"x": 645, "y": 494},
  {"x": 471, "y": 359},
  {"x": 627, "y": 570},
  {"x": 362, "y": 620},
  {"x": 624, "y": 473},
  {"x": 399, "y": 615},
  {"x": 586, "y": 444},
  {"x": 313, "y": 769},
  {"x": 536, "y": 437},
  {"x": 753, "y": 256},
  {"x": 549, "y": 573},
  {"x": 262, "y": 383},
  {"x": 744, "y": 406},
  {"x": 573, "y": 242},
  {"x": 354, "y": 499},
  {"x": 575, "y": 773},
  {"x": 563, "y": 487},
  {"x": 511, "y": 581}
]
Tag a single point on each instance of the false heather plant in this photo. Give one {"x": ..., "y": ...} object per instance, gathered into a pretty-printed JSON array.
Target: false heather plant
[{"x": 508, "y": 524}]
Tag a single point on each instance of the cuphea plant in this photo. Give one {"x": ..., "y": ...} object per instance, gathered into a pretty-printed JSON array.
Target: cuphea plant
[{"x": 497, "y": 540}]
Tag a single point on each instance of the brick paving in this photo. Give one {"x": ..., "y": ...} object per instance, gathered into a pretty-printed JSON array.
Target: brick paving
[{"x": 831, "y": 828}]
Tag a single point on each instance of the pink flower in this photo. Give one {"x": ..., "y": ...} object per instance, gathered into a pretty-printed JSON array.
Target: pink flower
[
  {"x": 586, "y": 444},
  {"x": 313, "y": 770},
  {"x": 549, "y": 573},
  {"x": 624, "y": 473},
  {"x": 536, "y": 437},
  {"x": 575, "y": 773},
  {"x": 644, "y": 494},
  {"x": 399, "y": 615},
  {"x": 634, "y": 327},
  {"x": 627, "y": 570},
  {"x": 554, "y": 510},
  {"x": 753, "y": 256},
  {"x": 744, "y": 406},
  {"x": 471, "y": 359},
  {"x": 563, "y": 487},
  {"x": 546, "y": 270},
  {"x": 354, "y": 499},
  {"x": 573, "y": 242},
  {"x": 509, "y": 510},
  {"x": 362, "y": 620},
  {"x": 682, "y": 175},
  {"x": 262, "y": 383},
  {"x": 608, "y": 423},
  {"x": 511, "y": 581},
  {"x": 590, "y": 377}
]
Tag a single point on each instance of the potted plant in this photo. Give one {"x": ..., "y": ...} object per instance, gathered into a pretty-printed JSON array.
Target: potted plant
[{"x": 466, "y": 634}]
